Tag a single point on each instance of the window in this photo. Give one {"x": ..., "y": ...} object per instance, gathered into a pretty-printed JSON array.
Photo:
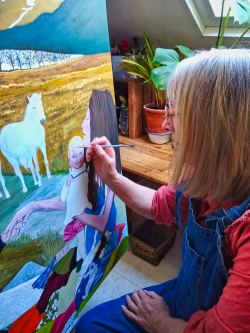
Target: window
[
  {"x": 206, "y": 14},
  {"x": 216, "y": 7}
]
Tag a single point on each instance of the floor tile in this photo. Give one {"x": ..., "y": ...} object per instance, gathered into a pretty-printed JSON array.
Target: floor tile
[
  {"x": 132, "y": 273},
  {"x": 144, "y": 274},
  {"x": 112, "y": 287}
]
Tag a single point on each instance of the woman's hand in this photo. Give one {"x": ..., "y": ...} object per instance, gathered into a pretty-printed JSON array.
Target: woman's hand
[
  {"x": 138, "y": 198},
  {"x": 103, "y": 159},
  {"x": 150, "y": 311}
]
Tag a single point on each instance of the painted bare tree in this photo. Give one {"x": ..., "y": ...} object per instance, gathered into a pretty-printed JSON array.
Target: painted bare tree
[
  {"x": 52, "y": 57},
  {"x": 63, "y": 56},
  {"x": 10, "y": 58},
  {"x": 20, "y": 60},
  {"x": 40, "y": 57},
  {"x": 2, "y": 58},
  {"x": 29, "y": 58}
]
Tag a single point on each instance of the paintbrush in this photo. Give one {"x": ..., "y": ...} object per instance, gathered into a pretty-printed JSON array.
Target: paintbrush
[{"x": 106, "y": 146}]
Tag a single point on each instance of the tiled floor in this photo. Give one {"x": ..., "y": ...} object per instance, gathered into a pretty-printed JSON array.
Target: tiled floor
[{"x": 132, "y": 273}]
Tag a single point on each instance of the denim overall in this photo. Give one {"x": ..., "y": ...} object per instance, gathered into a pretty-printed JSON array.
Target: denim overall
[{"x": 200, "y": 281}]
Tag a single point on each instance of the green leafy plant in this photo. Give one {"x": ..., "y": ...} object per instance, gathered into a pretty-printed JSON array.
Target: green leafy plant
[
  {"x": 242, "y": 15},
  {"x": 141, "y": 66},
  {"x": 158, "y": 64},
  {"x": 168, "y": 59},
  {"x": 154, "y": 67}
]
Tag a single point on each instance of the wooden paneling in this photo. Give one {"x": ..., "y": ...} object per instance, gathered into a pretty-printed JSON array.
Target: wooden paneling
[
  {"x": 138, "y": 95},
  {"x": 135, "y": 108}
]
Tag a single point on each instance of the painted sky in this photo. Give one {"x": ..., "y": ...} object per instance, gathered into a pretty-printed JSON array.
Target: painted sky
[{"x": 76, "y": 27}]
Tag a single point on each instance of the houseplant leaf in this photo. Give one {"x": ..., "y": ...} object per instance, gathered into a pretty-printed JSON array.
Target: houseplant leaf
[
  {"x": 242, "y": 10},
  {"x": 185, "y": 50},
  {"x": 150, "y": 49},
  {"x": 237, "y": 41},
  {"x": 223, "y": 28},
  {"x": 166, "y": 57},
  {"x": 160, "y": 76},
  {"x": 133, "y": 67}
]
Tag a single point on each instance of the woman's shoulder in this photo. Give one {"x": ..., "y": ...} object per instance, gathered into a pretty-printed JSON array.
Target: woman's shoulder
[{"x": 238, "y": 233}]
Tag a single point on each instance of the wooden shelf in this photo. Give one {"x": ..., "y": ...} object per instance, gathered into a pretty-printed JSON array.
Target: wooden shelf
[{"x": 146, "y": 159}]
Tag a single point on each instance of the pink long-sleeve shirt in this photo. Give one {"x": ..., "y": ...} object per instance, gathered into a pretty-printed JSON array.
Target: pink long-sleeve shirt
[{"x": 232, "y": 312}]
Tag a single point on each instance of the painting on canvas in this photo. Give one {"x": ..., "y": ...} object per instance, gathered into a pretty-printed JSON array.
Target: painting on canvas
[{"x": 62, "y": 229}]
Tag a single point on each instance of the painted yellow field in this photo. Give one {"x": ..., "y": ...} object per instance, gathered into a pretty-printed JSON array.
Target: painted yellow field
[{"x": 66, "y": 89}]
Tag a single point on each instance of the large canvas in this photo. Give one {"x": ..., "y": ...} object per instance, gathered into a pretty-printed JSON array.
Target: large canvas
[{"x": 62, "y": 229}]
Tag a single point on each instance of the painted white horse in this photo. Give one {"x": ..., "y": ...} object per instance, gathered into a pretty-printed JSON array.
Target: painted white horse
[
  {"x": 19, "y": 141},
  {"x": 2, "y": 181}
]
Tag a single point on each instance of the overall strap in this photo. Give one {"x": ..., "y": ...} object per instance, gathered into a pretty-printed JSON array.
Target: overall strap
[
  {"x": 178, "y": 196},
  {"x": 220, "y": 220},
  {"x": 236, "y": 212}
]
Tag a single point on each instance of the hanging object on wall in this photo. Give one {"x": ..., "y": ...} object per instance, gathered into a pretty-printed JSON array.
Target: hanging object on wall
[{"x": 61, "y": 228}]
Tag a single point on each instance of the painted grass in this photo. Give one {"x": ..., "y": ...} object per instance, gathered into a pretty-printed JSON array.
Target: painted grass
[
  {"x": 24, "y": 249},
  {"x": 52, "y": 244}
]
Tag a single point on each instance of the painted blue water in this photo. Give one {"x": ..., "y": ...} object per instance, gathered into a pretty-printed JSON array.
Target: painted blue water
[{"x": 76, "y": 27}]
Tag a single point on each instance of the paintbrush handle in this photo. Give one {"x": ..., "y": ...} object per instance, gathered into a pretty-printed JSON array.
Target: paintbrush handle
[
  {"x": 107, "y": 146},
  {"x": 116, "y": 146}
]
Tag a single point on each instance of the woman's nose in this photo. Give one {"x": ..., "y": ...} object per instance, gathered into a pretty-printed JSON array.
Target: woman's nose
[{"x": 165, "y": 125}]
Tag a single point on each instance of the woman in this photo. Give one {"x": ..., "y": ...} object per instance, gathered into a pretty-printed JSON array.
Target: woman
[
  {"x": 99, "y": 216},
  {"x": 209, "y": 116}
]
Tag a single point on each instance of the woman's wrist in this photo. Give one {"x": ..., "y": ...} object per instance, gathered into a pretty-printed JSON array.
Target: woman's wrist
[
  {"x": 172, "y": 325},
  {"x": 112, "y": 179}
]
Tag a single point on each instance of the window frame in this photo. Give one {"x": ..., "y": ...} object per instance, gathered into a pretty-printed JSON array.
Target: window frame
[{"x": 212, "y": 31}]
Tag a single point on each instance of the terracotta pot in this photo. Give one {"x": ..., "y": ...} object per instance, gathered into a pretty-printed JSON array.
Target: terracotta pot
[{"x": 154, "y": 118}]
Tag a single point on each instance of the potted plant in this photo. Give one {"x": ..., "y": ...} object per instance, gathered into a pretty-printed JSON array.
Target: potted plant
[
  {"x": 151, "y": 67},
  {"x": 156, "y": 66},
  {"x": 169, "y": 59}
]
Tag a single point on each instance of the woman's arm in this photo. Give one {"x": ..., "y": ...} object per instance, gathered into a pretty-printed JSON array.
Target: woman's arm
[
  {"x": 137, "y": 197},
  {"x": 21, "y": 217},
  {"x": 98, "y": 222}
]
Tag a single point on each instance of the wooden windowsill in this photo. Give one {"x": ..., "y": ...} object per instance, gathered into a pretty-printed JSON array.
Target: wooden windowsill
[{"x": 146, "y": 159}]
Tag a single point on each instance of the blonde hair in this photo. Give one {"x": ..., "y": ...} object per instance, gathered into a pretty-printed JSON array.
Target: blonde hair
[
  {"x": 210, "y": 93},
  {"x": 75, "y": 142}
]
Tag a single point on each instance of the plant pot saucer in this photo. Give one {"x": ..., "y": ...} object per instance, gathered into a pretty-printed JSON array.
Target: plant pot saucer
[{"x": 159, "y": 138}]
